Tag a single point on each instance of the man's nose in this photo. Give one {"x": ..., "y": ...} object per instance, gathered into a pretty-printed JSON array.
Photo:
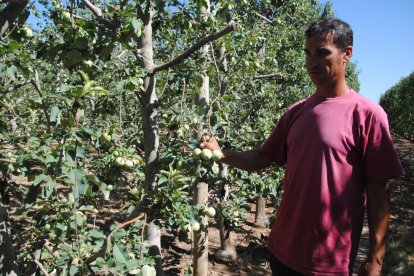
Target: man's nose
[{"x": 313, "y": 61}]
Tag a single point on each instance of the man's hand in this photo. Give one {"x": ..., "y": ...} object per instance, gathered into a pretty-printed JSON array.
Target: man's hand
[
  {"x": 370, "y": 269},
  {"x": 251, "y": 160},
  {"x": 210, "y": 143}
]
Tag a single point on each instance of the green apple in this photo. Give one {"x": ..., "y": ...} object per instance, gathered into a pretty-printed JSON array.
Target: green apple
[
  {"x": 109, "y": 187},
  {"x": 210, "y": 212},
  {"x": 120, "y": 161},
  {"x": 47, "y": 226},
  {"x": 186, "y": 227},
  {"x": 134, "y": 191},
  {"x": 196, "y": 226},
  {"x": 186, "y": 127},
  {"x": 196, "y": 153},
  {"x": 129, "y": 163},
  {"x": 206, "y": 154},
  {"x": 217, "y": 155},
  {"x": 28, "y": 32},
  {"x": 88, "y": 63},
  {"x": 148, "y": 270},
  {"x": 107, "y": 137},
  {"x": 66, "y": 15},
  {"x": 71, "y": 199}
]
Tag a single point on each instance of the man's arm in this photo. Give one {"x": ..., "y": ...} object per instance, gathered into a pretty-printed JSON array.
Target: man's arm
[
  {"x": 252, "y": 160},
  {"x": 378, "y": 213}
]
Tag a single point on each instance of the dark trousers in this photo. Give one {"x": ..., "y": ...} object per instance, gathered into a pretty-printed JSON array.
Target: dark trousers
[{"x": 279, "y": 269}]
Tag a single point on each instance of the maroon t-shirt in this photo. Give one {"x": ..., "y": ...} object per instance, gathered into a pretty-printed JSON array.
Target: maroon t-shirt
[{"x": 331, "y": 148}]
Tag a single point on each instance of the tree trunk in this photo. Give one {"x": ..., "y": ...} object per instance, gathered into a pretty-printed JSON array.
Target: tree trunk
[
  {"x": 227, "y": 252},
  {"x": 200, "y": 248},
  {"x": 8, "y": 264},
  {"x": 152, "y": 233},
  {"x": 151, "y": 133},
  {"x": 10, "y": 14},
  {"x": 261, "y": 219},
  {"x": 152, "y": 241}
]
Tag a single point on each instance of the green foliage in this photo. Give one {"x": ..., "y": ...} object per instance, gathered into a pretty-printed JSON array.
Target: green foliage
[
  {"x": 74, "y": 96},
  {"x": 397, "y": 102}
]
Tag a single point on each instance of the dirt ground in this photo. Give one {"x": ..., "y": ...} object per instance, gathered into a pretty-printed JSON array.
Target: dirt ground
[{"x": 250, "y": 241}]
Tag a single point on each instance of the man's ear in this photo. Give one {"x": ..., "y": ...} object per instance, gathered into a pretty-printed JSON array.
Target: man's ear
[{"x": 348, "y": 53}]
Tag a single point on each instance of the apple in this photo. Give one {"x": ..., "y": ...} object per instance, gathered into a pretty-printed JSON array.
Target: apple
[
  {"x": 120, "y": 161},
  {"x": 206, "y": 154},
  {"x": 134, "y": 191},
  {"x": 115, "y": 153},
  {"x": 71, "y": 199},
  {"x": 186, "y": 227},
  {"x": 47, "y": 226},
  {"x": 148, "y": 270},
  {"x": 196, "y": 226},
  {"x": 107, "y": 137},
  {"x": 109, "y": 187},
  {"x": 217, "y": 155},
  {"x": 88, "y": 63},
  {"x": 66, "y": 15},
  {"x": 210, "y": 212},
  {"x": 186, "y": 127},
  {"x": 129, "y": 163},
  {"x": 196, "y": 153},
  {"x": 28, "y": 32}
]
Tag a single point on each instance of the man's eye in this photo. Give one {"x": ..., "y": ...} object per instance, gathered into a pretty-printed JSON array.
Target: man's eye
[{"x": 323, "y": 53}]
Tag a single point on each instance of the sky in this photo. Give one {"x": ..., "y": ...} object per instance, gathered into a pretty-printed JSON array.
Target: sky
[{"x": 383, "y": 41}]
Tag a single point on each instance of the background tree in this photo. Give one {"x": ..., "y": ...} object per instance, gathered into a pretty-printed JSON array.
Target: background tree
[{"x": 397, "y": 102}]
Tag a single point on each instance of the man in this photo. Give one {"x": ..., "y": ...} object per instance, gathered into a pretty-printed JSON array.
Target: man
[{"x": 339, "y": 155}]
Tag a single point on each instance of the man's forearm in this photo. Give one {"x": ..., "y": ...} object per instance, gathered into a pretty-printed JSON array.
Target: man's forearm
[
  {"x": 251, "y": 160},
  {"x": 378, "y": 213}
]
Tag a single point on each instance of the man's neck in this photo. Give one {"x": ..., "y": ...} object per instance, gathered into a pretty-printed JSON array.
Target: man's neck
[{"x": 333, "y": 91}]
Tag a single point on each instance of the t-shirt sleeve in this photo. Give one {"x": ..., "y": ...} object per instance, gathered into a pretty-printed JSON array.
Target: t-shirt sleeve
[
  {"x": 380, "y": 158},
  {"x": 275, "y": 146}
]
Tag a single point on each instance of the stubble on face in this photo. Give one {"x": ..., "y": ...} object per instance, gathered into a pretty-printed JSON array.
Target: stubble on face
[{"x": 324, "y": 60}]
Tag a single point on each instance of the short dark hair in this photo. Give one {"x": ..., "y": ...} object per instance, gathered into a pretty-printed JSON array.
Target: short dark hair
[{"x": 342, "y": 32}]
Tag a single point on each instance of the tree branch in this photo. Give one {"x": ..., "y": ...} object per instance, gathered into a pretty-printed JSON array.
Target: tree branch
[
  {"x": 98, "y": 13},
  {"x": 263, "y": 17},
  {"x": 10, "y": 14},
  {"x": 180, "y": 58},
  {"x": 17, "y": 86},
  {"x": 36, "y": 83},
  {"x": 270, "y": 76}
]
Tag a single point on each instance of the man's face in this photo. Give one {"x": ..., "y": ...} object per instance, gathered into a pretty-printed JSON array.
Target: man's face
[{"x": 325, "y": 62}]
